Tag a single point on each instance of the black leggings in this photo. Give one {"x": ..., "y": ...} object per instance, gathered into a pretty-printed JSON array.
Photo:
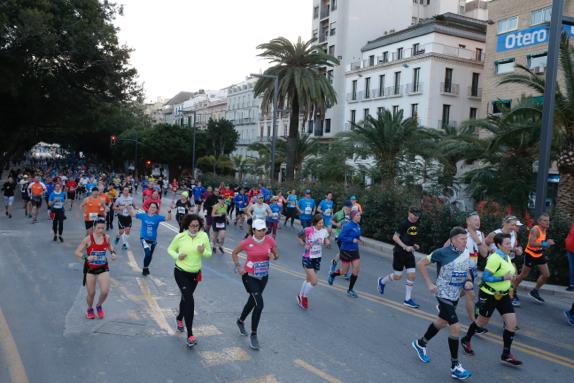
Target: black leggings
[
  {"x": 58, "y": 222},
  {"x": 187, "y": 283},
  {"x": 255, "y": 287}
]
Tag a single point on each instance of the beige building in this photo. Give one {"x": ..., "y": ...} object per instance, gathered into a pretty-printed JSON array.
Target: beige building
[{"x": 518, "y": 34}]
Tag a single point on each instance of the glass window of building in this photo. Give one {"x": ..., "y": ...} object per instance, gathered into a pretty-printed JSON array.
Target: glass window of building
[
  {"x": 504, "y": 66},
  {"x": 540, "y": 16},
  {"x": 508, "y": 24}
]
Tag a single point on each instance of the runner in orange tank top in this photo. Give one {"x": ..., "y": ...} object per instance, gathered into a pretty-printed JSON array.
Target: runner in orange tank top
[{"x": 93, "y": 206}]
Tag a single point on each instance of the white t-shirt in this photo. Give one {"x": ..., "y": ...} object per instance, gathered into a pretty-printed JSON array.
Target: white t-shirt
[
  {"x": 316, "y": 238},
  {"x": 513, "y": 242},
  {"x": 473, "y": 248},
  {"x": 124, "y": 202}
]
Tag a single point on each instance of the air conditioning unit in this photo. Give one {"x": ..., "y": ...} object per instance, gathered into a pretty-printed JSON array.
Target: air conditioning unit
[{"x": 539, "y": 70}]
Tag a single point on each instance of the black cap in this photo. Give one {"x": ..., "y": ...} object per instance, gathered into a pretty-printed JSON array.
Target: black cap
[{"x": 416, "y": 211}]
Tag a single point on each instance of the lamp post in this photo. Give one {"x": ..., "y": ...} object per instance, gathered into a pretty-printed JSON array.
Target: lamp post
[
  {"x": 556, "y": 23},
  {"x": 274, "y": 136},
  {"x": 193, "y": 146}
]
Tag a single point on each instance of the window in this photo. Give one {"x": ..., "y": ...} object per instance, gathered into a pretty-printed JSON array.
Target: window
[
  {"x": 315, "y": 12},
  {"x": 414, "y": 110},
  {"x": 507, "y": 25},
  {"x": 395, "y": 109},
  {"x": 371, "y": 60},
  {"x": 353, "y": 116},
  {"x": 416, "y": 79},
  {"x": 472, "y": 114},
  {"x": 354, "y": 90},
  {"x": 332, "y": 31},
  {"x": 399, "y": 53},
  {"x": 504, "y": 66},
  {"x": 333, "y": 5},
  {"x": 478, "y": 54},
  {"x": 315, "y": 33},
  {"x": 540, "y": 16},
  {"x": 537, "y": 61},
  {"x": 499, "y": 106},
  {"x": 416, "y": 49},
  {"x": 365, "y": 113},
  {"x": 414, "y": 20},
  {"x": 368, "y": 87},
  {"x": 380, "y": 110},
  {"x": 474, "y": 87},
  {"x": 311, "y": 126},
  {"x": 330, "y": 76},
  {"x": 447, "y": 80},
  {"x": 397, "y": 85},
  {"x": 327, "y": 125},
  {"x": 332, "y": 50},
  {"x": 385, "y": 57},
  {"x": 445, "y": 115},
  {"x": 381, "y": 85}
]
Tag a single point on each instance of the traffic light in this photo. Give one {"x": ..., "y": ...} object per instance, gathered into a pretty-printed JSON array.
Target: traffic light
[
  {"x": 148, "y": 163},
  {"x": 113, "y": 139}
]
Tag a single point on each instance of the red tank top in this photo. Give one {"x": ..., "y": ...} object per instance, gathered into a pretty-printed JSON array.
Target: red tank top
[{"x": 98, "y": 250}]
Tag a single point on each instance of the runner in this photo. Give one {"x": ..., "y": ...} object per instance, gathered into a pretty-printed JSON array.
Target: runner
[
  {"x": 291, "y": 208},
  {"x": 494, "y": 294},
  {"x": 148, "y": 232},
  {"x": 210, "y": 199},
  {"x": 197, "y": 192},
  {"x": 124, "y": 207},
  {"x": 356, "y": 205},
  {"x": 405, "y": 239},
  {"x": 313, "y": 238},
  {"x": 93, "y": 207},
  {"x": 350, "y": 237},
  {"x": 306, "y": 209},
  {"x": 259, "y": 248},
  {"x": 241, "y": 201},
  {"x": 259, "y": 209},
  {"x": 56, "y": 202},
  {"x": 340, "y": 218},
  {"x": 454, "y": 274},
  {"x": 174, "y": 186},
  {"x": 8, "y": 188},
  {"x": 36, "y": 190},
  {"x": 110, "y": 196},
  {"x": 534, "y": 256},
  {"x": 182, "y": 208},
  {"x": 326, "y": 208},
  {"x": 24, "y": 183},
  {"x": 219, "y": 215},
  {"x": 154, "y": 197},
  {"x": 96, "y": 268},
  {"x": 187, "y": 250},
  {"x": 273, "y": 219},
  {"x": 71, "y": 187}
]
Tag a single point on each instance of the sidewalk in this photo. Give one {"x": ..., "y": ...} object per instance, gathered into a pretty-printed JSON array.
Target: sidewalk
[{"x": 386, "y": 250}]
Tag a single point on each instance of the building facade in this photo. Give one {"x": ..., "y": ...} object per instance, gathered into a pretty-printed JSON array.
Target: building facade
[
  {"x": 243, "y": 109},
  {"x": 343, "y": 26},
  {"x": 431, "y": 71}
]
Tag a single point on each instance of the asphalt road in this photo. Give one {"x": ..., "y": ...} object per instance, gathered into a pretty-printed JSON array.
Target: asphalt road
[{"x": 44, "y": 336}]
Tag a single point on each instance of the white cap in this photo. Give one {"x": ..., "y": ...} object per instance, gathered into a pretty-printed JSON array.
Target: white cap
[
  {"x": 518, "y": 223},
  {"x": 259, "y": 224}
]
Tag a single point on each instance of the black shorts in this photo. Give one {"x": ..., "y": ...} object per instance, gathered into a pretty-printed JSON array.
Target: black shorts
[
  {"x": 447, "y": 310},
  {"x": 36, "y": 201},
  {"x": 198, "y": 202},
  {"x": 349, "y": 255},
  {"x": 98, "y": 270},
  {"x": 311, "y": 263},
  {"x": 124, "y": 221},
  {"x": 530, "y": 261},
  {"x": 25, "y": 196},
  {"x": 403, "y": 260},
  {"x": 487, "y": 303},
  {"x": 71, "y": 194}
]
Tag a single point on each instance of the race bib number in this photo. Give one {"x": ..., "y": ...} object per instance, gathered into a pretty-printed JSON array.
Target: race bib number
[
  {"x": 315, "y": 251},
  {"x": 275, "y": 215},
  {"x": 308, "y": 210},
  {"x": 328, "y": 212},
  {"x": 93, "y": 216},
  {"x": 98, "y": 258},
  {"x": 457, "y": 278},
  {"x": 180, "y": 210},
  {"x": 125, "y": 211},
  {"x": 220, "y": 225},
  {"x": 260, "y": 269}
]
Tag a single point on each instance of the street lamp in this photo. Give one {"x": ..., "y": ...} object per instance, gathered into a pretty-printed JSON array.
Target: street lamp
[
  {"x": 275, "y": 79},
  {"x": 556, "y": 23}
]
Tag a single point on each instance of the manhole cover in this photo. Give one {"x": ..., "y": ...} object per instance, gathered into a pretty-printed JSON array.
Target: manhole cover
[{"x": 121, "y": 328}]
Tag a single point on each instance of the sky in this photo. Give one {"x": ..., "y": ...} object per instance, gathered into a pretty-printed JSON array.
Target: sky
[{"x": 205, "y": 44}]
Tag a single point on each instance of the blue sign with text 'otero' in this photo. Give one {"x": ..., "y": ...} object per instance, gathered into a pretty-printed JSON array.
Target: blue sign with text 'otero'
[{"x": 527, "y": 37}]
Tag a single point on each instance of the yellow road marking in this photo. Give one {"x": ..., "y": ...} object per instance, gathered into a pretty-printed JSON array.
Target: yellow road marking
[
  {"x": 132, "y": 261},
  {"x": 261, "y": 379},
  {"x": 10, "y": 350},
  {"x": 153, "y": 308},
  {"x": 320, "y": 373},
  {"x": 227, "y": 355}
]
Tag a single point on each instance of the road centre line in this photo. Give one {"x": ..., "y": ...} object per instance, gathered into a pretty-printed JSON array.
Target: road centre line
[
  {"x": 8, "y": 345},
  {"x": 320, "y": 373}
]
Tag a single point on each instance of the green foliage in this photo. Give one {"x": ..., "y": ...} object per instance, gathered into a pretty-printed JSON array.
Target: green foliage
[{"x": 221, "y": 137}]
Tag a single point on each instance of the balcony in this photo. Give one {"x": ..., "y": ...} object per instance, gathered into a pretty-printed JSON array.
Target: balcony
[
  {"x": 449, "y": 89},
  {"x": 323, "y": 37},
  {"x": 443, "y": 123},
  {"x": 474, "y": 93},
  {"x": 325, "y": 12},
  {"x": 415, "y": 88},
  {"x": 393, "y": 91}
]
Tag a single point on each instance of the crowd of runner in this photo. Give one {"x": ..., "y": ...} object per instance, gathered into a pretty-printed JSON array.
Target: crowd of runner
[{"x": 109, "y": 206}]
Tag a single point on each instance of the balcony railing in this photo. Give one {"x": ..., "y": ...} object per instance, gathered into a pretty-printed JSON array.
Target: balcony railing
[
  {"x": 474, "y": 92},
  {"x": 449, "y": 123},
  {"x": 325, "y": 12},
  {"x": 392, "y": 91},
  {"x": 323, "y": 37},
  {"x": 415, "y": 88},
  {"x": 449, "y": 89}
]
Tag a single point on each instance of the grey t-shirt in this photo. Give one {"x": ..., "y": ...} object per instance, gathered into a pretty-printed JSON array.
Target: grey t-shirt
[{"x": 454, "y": 266}]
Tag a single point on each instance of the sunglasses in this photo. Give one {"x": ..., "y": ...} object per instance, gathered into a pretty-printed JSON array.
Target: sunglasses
[{"x": 194, "y": 225}]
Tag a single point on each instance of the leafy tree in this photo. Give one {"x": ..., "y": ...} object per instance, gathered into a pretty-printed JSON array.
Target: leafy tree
[
  {"x": 221, "y": 137},
  {"x": 330, "y": 163},
  {"x": 305, "y": 146},
  {"x": 303, "y": 87},
  {"x": 222, "y": 164}
]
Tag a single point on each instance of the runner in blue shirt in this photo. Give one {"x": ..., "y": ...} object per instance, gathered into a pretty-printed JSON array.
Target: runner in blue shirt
[
  {"x": 273, "y": 219},
  {"x": 291, "y": 207},
  {"x": 148, "y": 232},
  {"x": 241, "y": 200},
  {"x": 306, "y": 207},
  {"x": 197, "y": 192},
  {"x": 326, "y": 208}
]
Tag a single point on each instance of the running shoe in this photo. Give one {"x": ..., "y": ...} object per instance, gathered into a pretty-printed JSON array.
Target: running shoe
[
  {"x": 569, "y": 317},
  {"x": 90, "y": 313},
  {"x": 352, "y": 294},
  {"x": 510, "y": 360},
  {"x": 457, "y": 372},
  {"x": 333, "y": 266},
  {"x": 191, "y": 341},
  {"x": 100, "y": 312},
  {"x": 380, "y": 285},
  {"x": 331, "y": 279},
  {"x": 535, "y": 295},
  {"x": 55, "y": 239},
  {"x": 221, "y": 249},
  {"x": 179, "y": 324},
  {"x": 61, "y": 239},
  {"x": 254, "y": 342},
  {"x": 421, "y": 351},
  {"x": 515, "y": 301},
  {"x": 241, "y": 327},
  {"x": 347, "y": 276},
  {"x": 300, "y": 301},
  {"x": 481, "y": 331},
  {"x": 117, "y": 240},
  {"x": 412, "y": 304},
  {"x": 124, "y": 246},
  {"x": 145, "y": 271},
  {"x": 305, "y": 302},
  {"x": 466, "y": 346}
]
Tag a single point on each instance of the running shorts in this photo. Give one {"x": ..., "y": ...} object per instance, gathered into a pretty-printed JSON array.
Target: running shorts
[
  {"x": 124, "y": 221},
  {"x": 447, "y": 310},
  {"x": 311, "y": 263},
  {"x": 530, "y": 261},
  {"x": 487, "y": 303},
  {"x": 8, "y": 201},
  {"x": 25, "y": 196},
  {"x": 72, "y": 194},
  {"x": 403, "y": 260},
  {"x": 36, "y": 201},
  {"x": 349, "y": 255}
]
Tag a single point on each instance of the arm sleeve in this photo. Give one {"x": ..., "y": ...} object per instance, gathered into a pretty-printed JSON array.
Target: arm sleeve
[{"x": 488, "y": 277}]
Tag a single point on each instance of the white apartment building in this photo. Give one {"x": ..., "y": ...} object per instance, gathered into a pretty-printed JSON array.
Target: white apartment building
[
  {"x": 342, "y": 27},
  {"x": 243, "y": 109},
  {"x": 204, "y": 104},
  {"x": 431, "y": 70}
]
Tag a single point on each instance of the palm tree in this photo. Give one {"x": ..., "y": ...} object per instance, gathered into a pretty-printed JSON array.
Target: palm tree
[
  {"x": 241, "y": 165},
  {"x": 330, "y": 163},
  {"x": 563, "y": 122},
  {"x": 303, "y": 87},
  {"x": 388, "y": 139},
  {"x": 305, "y": 146}
]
